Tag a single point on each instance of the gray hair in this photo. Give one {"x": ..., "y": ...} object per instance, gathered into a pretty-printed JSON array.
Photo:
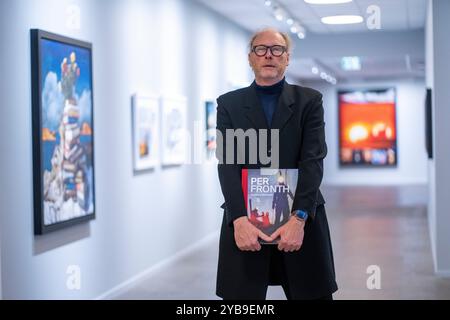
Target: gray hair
[{"x": 286, "y": 37}]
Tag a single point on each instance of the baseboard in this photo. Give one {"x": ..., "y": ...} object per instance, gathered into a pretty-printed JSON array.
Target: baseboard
[{"x": 126, "y": 285}]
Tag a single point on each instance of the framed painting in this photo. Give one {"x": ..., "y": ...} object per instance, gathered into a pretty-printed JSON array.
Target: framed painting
[
  {"x": 145, "y": 115},
  {"x": 367, "y": 128},
  {"x": 429, "y": 123},
  {"x": 210, "y": 121},
  {"x": 63, "y": 131},
  {"x": 173, "y": 130}
]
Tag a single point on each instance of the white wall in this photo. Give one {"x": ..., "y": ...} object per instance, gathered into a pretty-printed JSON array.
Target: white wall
[
  {"x": 438, "y": 78},
  {"x": 164, "y": 47},
  {"x": 1, "y": 296},
  {"x": 429, "y": 80},
  {"x": 412, "y": 160}
]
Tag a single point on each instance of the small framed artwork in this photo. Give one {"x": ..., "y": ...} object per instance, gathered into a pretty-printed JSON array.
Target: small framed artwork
[
  {"x": 63, "y": 131},
  {"x": 173, "y": 130},
  {"x": 429, "y": 123},
  {"x": 210, "y": 121},
  {"x": 145, "y": 115},
  {"x": 367, "y": 128}
]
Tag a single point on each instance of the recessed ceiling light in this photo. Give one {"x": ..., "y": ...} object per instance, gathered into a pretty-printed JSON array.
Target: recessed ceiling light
[
  {"x": 351, "y": 63},
  {"x": 327, "y": 1},
  {"x": 279, "y": 14},
  {"x": 342, "y": 19},
  {"x": 295, "y": 28}
]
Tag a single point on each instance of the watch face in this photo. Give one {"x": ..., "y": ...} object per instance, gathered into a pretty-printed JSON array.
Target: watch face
[{"x": 301, "y": 214}]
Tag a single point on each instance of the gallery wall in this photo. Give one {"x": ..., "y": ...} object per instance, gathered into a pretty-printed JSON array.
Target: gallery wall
[
  {"x": 2, "y": 145},
  {"x": 165, "y": 47},
  {"x": 429, "y": 80},
  {"x": 412, "y": 160},
  {"x": 438, "y": 78}
]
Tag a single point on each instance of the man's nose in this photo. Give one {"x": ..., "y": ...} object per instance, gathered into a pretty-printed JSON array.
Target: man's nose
[{"x": 268, "y": 54}]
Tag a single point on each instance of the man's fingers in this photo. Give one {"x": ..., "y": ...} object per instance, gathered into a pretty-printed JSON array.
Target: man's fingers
[
  {"x": 264, "y": 236},
  {"x": 253, "y": 246},
  {"x": 281, "y": 245},
  {"x": 257, "y": 246},
  {"x": 275, "y": 235},
  {"x": 250, "y": 245}
]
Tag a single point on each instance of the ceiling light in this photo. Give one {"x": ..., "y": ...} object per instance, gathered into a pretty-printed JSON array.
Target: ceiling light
[
  {"x": 351, "y": 63},
  {"x": 323, "y": 75},
  {"x": 331, "y": 80},
  {"x": 295, "y": 28},
  {"x": 279, "y": 14},
  {"x": 299, "y": 30},
  {"x": 342, "y": 19},
  {"x": 327, "y": 1}
]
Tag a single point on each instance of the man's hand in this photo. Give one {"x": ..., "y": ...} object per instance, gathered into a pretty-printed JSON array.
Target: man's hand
[
  {"x": 246, "y": 235},
  {"x": 291, "y": 235}
]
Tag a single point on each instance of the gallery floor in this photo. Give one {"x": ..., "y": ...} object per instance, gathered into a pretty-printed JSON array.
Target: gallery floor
[{"x": 382, "y": 226}]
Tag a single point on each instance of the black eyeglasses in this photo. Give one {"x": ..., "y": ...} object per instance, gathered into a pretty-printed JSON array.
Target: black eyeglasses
[{"x": 276, "y": 50}]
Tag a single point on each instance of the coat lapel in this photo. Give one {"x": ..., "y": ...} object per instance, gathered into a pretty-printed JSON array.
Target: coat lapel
[
  {"x": 283, "y": 112},
  {"x": 255, "y": 112}
]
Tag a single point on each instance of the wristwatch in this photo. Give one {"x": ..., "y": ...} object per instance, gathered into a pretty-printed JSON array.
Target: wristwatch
[{"x": 300, "y": 214}]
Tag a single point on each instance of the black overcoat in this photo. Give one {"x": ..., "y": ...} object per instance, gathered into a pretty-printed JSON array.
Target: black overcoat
[{"x": 299, "y": 117}]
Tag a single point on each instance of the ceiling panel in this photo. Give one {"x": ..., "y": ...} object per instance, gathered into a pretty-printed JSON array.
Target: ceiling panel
[
  {"x": 332, "y": 10},
  {"x": 396, "y": 15}
]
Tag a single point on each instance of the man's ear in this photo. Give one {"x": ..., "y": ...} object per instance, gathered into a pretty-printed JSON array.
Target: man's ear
[{"x": 288, "y": 56}]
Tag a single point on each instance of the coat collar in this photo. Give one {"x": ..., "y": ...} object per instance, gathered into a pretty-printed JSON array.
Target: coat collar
[{"x": 283, "y": 111}]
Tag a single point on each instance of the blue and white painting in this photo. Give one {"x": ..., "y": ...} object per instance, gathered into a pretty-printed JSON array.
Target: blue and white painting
[{"x": 67, "y": 131}]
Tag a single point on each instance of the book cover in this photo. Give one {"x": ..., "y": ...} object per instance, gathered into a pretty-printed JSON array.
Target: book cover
[{"x": 269, "y": 194}]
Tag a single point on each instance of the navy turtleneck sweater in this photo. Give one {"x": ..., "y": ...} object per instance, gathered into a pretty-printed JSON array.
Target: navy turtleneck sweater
[{"x": 269, "y": 96}]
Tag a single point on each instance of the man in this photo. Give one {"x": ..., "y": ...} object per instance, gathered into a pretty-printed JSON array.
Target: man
[
  {"x": 280, "y": 202},
  {"x": 302, "y": 262}
]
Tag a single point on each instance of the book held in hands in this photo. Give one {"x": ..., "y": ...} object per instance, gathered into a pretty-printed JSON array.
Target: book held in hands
[{"x": 269, "y": 194}]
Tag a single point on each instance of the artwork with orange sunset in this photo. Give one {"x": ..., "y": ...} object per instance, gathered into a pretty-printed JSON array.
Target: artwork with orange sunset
[{"x": 367, "y": 128}]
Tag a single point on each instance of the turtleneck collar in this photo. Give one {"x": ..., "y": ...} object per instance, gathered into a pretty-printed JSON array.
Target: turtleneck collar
[{"x": 273, "y": 89}]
